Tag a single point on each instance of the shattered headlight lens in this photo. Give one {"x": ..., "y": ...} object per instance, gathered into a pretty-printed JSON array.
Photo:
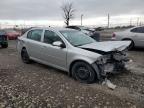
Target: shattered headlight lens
[{"x": 102, "y": 60}]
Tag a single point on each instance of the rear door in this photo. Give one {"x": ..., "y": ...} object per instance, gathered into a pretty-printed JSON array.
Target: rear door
[
  {"x": 33, "y": 43},
  {"x": 53, "y": 55}
]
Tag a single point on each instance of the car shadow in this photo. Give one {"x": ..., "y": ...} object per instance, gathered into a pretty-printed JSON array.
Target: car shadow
[{"x": 50, "y": 68}]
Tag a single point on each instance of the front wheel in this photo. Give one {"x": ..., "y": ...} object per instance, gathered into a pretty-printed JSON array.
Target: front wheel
[{"x": 83, "y": 72}]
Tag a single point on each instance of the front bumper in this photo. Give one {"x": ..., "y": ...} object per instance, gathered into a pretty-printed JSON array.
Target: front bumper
[
  {"x": 116, "y": 67},
  {"x": 103, "y": 69},
  {"x": 112, "y": 63}
]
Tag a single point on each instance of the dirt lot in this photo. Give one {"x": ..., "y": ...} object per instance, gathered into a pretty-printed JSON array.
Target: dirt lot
[{"x": 35, "y": 85}]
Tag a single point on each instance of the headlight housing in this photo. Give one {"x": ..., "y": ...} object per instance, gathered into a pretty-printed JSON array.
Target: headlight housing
[{"x": 102, "y": 60}]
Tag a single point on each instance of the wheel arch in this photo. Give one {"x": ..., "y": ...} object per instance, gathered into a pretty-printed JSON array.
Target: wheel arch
[
  {"x": 132, "y": 41},
  {"x": 128, "y": 39}
]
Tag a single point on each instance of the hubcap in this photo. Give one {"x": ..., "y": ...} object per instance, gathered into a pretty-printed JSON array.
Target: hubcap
[{"x": 83, "y": 73}]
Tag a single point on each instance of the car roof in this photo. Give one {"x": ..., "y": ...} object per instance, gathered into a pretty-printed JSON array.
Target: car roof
[
  {"x": 54, "y": 28},
  {"x": 136, "y": 27}
]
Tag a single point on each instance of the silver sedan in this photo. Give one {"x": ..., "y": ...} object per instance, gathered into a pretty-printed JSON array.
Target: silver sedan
[
  {"x": 135, "y": 35},
  {"x": 73, "y": 51}
]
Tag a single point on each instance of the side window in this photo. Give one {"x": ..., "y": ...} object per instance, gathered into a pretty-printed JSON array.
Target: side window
[
  {"x": 35, "y": 35},
  {"x": 50, "y": 37},
  {"x": 138, "y": 30}
]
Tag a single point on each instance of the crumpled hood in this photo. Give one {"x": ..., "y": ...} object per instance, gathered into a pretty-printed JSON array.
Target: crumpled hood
[{"x": 108, "y": 46}]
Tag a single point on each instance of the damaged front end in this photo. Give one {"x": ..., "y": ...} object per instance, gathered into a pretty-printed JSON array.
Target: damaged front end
[
  {"x": 112, "y": 62},
  {"x": 113, "y": 59}
]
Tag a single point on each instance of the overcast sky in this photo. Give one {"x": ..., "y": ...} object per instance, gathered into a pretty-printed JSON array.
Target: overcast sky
[{"x": 50, "y": 9}]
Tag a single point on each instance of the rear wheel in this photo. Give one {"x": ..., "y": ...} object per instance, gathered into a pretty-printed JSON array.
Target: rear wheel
[
  {"x": 83, "y": 72},
  {"x": 131, "y": 45},
  {"x": 25, "y": 56}
]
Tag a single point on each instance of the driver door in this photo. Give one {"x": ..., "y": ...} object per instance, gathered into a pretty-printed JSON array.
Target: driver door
[{"x": 53, "y": 55}]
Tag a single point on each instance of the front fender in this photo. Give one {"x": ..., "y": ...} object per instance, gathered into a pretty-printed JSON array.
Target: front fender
[{"x": 89, "y": 60}]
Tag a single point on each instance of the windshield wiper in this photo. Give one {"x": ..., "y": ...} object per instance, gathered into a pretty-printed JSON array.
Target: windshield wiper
[{"x": 78, "y": 45}]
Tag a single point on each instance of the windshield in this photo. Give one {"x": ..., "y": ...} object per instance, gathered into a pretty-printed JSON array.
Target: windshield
[{"x": 77, "y": 38}]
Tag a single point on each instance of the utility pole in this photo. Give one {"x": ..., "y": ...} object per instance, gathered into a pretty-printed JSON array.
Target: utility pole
[
  {"x": 137, "y": 21},
  {"x": 108, "y": 20},
  {"x": 82, "y": 19},
  {"x": 131, "y": 22}
]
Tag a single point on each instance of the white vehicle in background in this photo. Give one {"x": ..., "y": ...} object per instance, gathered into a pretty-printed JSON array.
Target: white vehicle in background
[{"x": 135, "y": 35}]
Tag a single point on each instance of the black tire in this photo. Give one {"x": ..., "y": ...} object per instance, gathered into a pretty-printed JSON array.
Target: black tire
[
  {"x": 131, "y": 45},
  {"x": 4, "y": 45},
  {"x": 83, "y": 72},
  {"x": 25, "y": 56}
]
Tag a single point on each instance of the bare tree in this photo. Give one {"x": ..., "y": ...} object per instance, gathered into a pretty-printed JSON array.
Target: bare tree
[{"x": 68, "y": 11}]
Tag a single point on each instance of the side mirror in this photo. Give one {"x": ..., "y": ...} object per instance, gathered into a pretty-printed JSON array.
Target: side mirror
[{"x": 59, "y": 44}]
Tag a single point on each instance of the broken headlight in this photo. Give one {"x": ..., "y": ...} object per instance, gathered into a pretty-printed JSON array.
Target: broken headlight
[{"x": 102, "y": 60}]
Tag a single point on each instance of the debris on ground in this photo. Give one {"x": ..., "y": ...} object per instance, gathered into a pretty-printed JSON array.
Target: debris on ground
[{"x": 109, "y": 84}]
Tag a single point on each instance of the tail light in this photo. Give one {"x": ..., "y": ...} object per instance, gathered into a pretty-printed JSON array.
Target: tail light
[{"x": 113, "y": 36}]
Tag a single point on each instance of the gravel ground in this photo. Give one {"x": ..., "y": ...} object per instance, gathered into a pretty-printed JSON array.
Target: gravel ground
[{"x": 39, "y": 86}]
